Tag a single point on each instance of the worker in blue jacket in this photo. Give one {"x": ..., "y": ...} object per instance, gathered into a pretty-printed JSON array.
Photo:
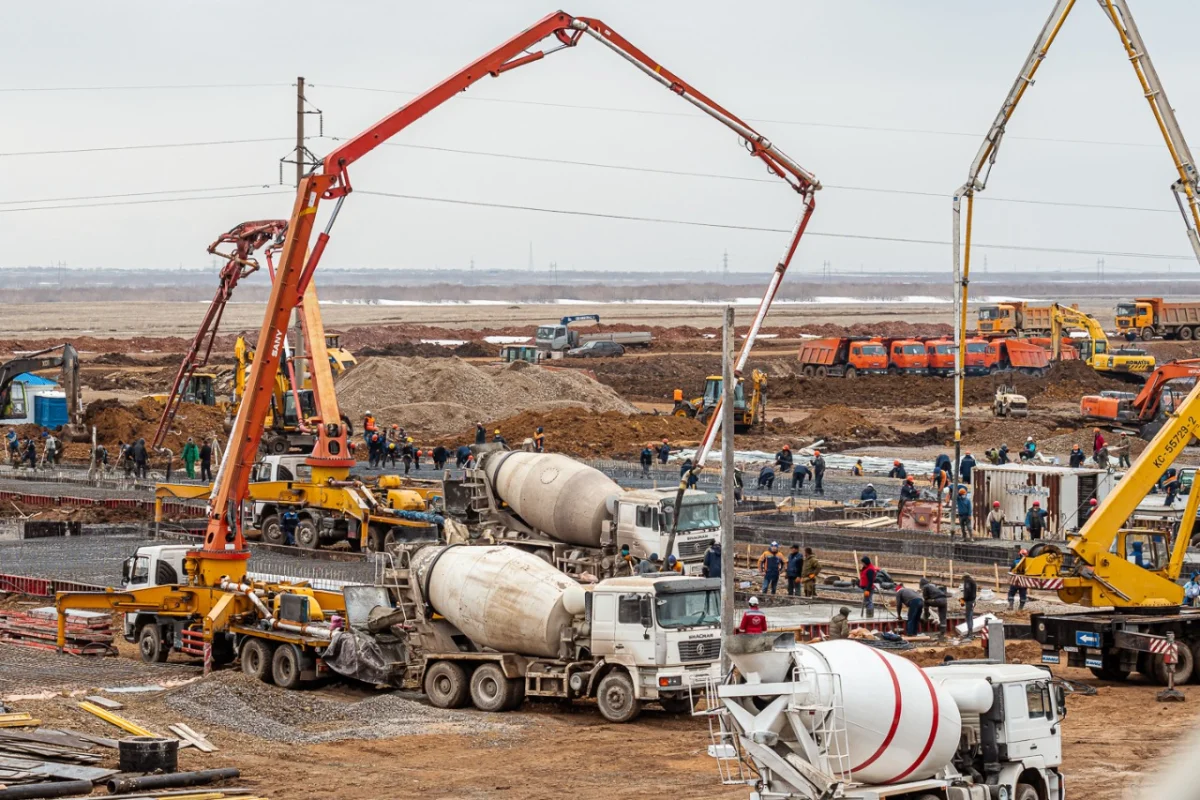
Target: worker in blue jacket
[
  {"x": 964, "y": 513},
  {"x": 712, "y": 561},
  {"x": 965, "y": 467}
]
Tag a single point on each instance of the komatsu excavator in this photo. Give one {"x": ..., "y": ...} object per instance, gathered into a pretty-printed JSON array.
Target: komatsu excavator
[
  {"x": 1127, "y": 363},
  {"x": 214, "y": 605}
]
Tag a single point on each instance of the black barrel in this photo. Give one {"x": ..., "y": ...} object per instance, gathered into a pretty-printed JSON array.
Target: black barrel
[{"x": 148, "y": 754}]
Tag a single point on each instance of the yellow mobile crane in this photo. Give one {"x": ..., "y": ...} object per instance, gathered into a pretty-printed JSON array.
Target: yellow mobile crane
[
  {"x": 1185, "y": 188},
  {"x": 1097, "y": 351}
]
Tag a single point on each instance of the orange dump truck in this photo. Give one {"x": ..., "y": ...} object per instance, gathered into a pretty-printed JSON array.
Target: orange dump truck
[
  {"x": 842, "y": 357},
  {"x": 1017, "y": 355},
  {"x": 1015, "y": 318},
  {"x": 906, "y": 356},
  {"x": 1148, "y": 317}
]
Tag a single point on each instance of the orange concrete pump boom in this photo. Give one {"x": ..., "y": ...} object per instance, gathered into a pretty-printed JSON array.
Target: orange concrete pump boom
[{"x": 224, "y": 547}]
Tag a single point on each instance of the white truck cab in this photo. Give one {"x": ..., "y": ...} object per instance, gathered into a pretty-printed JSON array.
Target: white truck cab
[
  {"x": 644, "y": 518},
  {"x": 664, "y": 630}
]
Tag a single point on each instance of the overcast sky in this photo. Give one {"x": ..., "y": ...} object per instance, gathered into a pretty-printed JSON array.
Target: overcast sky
[{"x": 873, "y": 94}]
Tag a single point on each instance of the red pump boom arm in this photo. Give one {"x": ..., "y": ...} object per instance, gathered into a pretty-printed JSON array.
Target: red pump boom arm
[{"x": 223, "y": 538}]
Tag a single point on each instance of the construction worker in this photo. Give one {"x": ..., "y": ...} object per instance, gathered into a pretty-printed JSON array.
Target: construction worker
[
  {"x": 141, "y": 459},
  {"x": 770, "y": 564},
  {"x": 647, "y": 459},
  {"x": 1077, "y": 457},
  {"x": 626, "y": 564},
  {"x": 935, "y": 600},
  {"x": 1171, "y": 487},
  {"x": 31, "y": 456},
  {"x": 942, "y": 462},
  {"x": 461, "y": 455},
  {"x": 753, "y": 620},
  {"x": 673, "y": 565},
  {"x": 783, "y": 459},
  {"x": 1002, "y": 454},
  {"x": 970, "y": 591},
  {"x": 648, "y": 566},
  {"x": 498, "y": 439},
  {"x": 911, "y": 600},
  {"x": 206, "y": 453},
  {"x": 100, "y": 457},
  {"x": 908, "y": 491},
  {"x": 406, "y": 455},
  {"x": 1122, "y": 450},
  {"x": 1097, "y": 440},
  {"x": 799, "y": 474},
  {"x": 818, "y": 468},
  {"x": 190, "y": 455},
  {"x": 964, "y": 513},
  {"x": 766, "y": 477},
  {"x": 1035, "y": 520},
  {"x": 857, "y": 469},
  {"x": 12, "y": 446},
  {"x": 1191, "y": 590},
  {"x": 939, "y": 481},
  {"x": 712, "y": 560},
  {"x": 965, "y": 467},
  {"x": 416, "y": 453},
  {"x": 897, "y": 470},
  {"x": 1086, "y": 512},
  {"x": 1013, "y": 589},
  {"x": 866, "y": 582},
  {"x": 839, "y": 625},
  {"x": 287, "y": 524},
  {"x": 440, "y": 456},
  {"x": 795, "y": 562},
  {"x": 869, "y": 497},
  {"x": 992, "y": 455},
  {"x": 809, "y": 572},
  {"x": 664, "y": 452},
  {"x": 995, "y": 520},
  {"x": 539, "y": 440},
  {"x": 480, "y": 433},
  {"x": 369, "y": 426}
]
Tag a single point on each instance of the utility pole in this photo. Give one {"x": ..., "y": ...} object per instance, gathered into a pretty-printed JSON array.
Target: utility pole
[
  {"x": 725, "y": 266},
  {"x": 727, "y": 488}
]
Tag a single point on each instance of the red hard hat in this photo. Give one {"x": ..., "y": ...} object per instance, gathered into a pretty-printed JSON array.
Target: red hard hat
[
  {"x": 1092, "y": 502},
  {"x": 787, "y": 447},
  {"x": 995, "y": 504},
  {"x": 896, "y": 463},
  {"x": 1036, "y": 503}
]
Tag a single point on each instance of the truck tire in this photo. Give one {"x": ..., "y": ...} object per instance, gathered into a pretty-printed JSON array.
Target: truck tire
[
  {"x": 222, "y": 650},
  {"x": 376, "y": 539},
  {"x": 616, "y": 697},
  {"x": 851, "y": 373},
  {"x": 286, "y": 665},
  {"x": 1183, "y": 670},
  {"x": 1025, "y": 792},
  {"x": 151, "y": 645},
  {"x": 446, "y": 685},
  {"x": 277, "y": 445},
  {"x": 1185, "y": 333},
  {"x": 491, "y": 691},
  {"x": 272, "y": 530},
  {"x": 307, "y": 535},
  {"x": 820, "y": 372},
  {"x": 256, "y": 659},
  {"x": 1147, "y": 334},
  {"x": 1111, "y": 668},
  {"x": 807, "y": 371}
]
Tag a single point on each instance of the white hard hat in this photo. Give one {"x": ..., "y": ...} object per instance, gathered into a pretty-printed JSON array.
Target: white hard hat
[{"x": 753, "y": 601}]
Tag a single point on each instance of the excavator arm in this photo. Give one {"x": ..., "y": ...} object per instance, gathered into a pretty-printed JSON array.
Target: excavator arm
[
  {"x": 1148, "y": 400},
  {"x": 223, "y": 542}
]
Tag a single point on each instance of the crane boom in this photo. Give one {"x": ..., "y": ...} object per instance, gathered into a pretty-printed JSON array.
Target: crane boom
[{"x": 224, "y": 546}]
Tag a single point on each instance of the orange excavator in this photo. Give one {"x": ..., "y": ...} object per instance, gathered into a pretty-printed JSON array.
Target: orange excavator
[{"x": 1162, "y": 392}]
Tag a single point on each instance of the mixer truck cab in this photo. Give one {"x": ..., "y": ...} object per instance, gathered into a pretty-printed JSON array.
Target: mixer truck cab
[{"x": 644, "y": 519}]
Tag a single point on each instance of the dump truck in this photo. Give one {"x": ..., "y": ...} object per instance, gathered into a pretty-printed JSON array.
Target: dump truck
[
  {"x": 841, "y": 719},
  {"x": 562, "y": 337},
  {"x": 841, "y": 357},
  {"x": 1016, "y": 355},
  {"x": 1149, "y": 317},
  {"x": 491, "y": 625},
  {"x": 906, "y": 356},
  {"x": 577, "y": 518},
  {"x": 1014, "y": 318},
  {"x": 943, "y": 357}
]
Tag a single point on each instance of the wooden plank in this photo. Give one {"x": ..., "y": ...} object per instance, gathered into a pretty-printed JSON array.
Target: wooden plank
[
  {"x": 104, "y": 702},
  {"x": 187, "y": 737},
  {"x": 202, "y": 741}
]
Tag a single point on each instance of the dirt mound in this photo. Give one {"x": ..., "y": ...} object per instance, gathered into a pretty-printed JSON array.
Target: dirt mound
[
  {"x": 427, "y": 350},
  {"x": 115, "y": 422},
  {"x": 578, "y": 432},
  {"x": 839, "y": 422},
  {"x": 436, "y": 397}
]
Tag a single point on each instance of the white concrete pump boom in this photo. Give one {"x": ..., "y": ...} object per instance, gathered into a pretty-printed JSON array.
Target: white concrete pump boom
[{"x": 1185, "y": 188}]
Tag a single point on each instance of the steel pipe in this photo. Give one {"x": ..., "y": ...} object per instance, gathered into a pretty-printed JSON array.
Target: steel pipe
[
  {"x": 46, "y": 789},
  {"x": 171, "y": 781}
]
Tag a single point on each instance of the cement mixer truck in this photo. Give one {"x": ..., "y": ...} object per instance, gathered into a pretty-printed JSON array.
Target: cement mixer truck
[
  {"x": 841, "y": 719},
  {"x": 491, "y": 625},
  {"x": 577, "y": 518}
]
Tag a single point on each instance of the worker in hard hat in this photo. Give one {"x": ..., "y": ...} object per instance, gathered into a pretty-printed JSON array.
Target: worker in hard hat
[
  {"x": 664, "y": 451},
  {"x": 783, "y": 459},
  {"x": 818, "y": 468},
  {"x": 672, "y": 564},
  {"x": 912, "y": 600},
  {"x": 498, "y": 439},
  {"x": 539, "y": 440},
  {"x": 770, "y": 564},
  {"x": 648, "y": 566},
  {"x": 908, "y": 492},
  {"x": 1035, "y": 520},
  {"x": 963, "y": 508},
  {"x": 868, "y": 497},
  {"x": 1086, "y": 512},
  {"x": 1013, "y": 589},
  {"x": 480, "y": 433},
  {"x": 897, "y": 470},
  {"x": 995, "y": 520},
  {"x": 753, "y": 620}
]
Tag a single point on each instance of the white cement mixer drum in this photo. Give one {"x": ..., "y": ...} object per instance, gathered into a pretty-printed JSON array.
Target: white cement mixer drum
[
  {"x": 900, "y": 725},
  {"x": 556, "y": 494}
]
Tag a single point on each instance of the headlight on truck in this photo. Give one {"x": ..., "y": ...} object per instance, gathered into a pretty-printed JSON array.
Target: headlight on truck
[{"x": 667, "y": 682}]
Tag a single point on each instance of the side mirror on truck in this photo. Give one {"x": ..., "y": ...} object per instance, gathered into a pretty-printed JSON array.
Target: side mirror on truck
[{"x": 646, "y": 609}]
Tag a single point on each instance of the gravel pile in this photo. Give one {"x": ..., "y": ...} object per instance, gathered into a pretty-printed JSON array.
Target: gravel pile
[
  {"x": 436, "y": 397},
  {"x": 232, "y": 700}
]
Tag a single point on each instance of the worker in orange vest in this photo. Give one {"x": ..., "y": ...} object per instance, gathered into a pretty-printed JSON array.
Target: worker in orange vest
[{"x": 369, "y": 426}]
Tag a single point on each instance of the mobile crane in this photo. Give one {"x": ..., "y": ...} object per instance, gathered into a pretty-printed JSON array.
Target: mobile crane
[
  {"x": 1097, "y": 352},
  {"x": 1132, "y": 571},
  {"x": 1163, "y": 390},
  {"x": 1185, "y": 189},
  {"x": 282, "y": 624}
]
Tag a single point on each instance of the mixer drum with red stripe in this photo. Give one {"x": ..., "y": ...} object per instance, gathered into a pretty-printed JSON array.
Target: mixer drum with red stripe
[{"x": 900, "y": 725}]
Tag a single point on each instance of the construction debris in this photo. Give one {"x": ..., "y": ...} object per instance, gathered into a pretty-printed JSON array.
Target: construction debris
[
  {"x": 113, "y": 719},
  {"x": 88, "y": 632}
]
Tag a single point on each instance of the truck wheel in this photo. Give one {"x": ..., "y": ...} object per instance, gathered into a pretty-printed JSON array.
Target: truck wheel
[
  {"x": 306, "y": 534},
  {"x": 375, "y": 539},
  {"x": 286, "y": 666},
  {"x": 1147, "y": 334},
  {"x": 256, "y": 660},
  {"x": 1025, "y": 792},
  {"x": 820, "y": 372},
  {"x": 807, "y": 371},
  {"x": 1110, "y": 669},
  {"x": 893, "y": 371},
  {"x": 446, "y": 685},
  {"x": 490, "y": 690},
  {"x": 272, "y": 530},
  {"x": 151, "y": 645},
  {"x": 277, "y": 445},
  {"x": 1185, "y": 333},
  {"x": 676, "y": 705},
  {"x": 851, "y": 373},
  {"x": 1183, "y": 670},
  {"x": 616, "y": 697}
]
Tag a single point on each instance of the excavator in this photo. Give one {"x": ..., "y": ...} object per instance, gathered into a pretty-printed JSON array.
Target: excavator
[
  {"x": 63, "y": 357},
  {"x": 749, "y": 415},
  {"x": 281, "y": 629},
  {"x": 1126, "y": 363},
  {"x": 1132, "y": 571},
  {"x": 1162, "y": 392}
]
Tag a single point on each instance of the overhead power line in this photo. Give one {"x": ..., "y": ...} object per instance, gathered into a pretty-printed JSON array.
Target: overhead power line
[
  {"x": 759, "y": 120},
  {"x": 131, "y": 194},
  {"x": 148, "y": 201},
  {"x": 759, "y": 229},
  {"x": 169, "y": 86},
  {"x": 160, "y": 146}
]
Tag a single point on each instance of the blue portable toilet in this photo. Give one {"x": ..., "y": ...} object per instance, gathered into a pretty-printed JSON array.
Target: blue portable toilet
[{"x": 50, "y": 410}]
